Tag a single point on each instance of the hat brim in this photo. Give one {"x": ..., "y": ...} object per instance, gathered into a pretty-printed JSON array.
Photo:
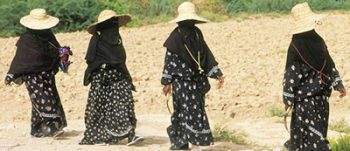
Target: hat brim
[
  {"x": 307, "y": 24},
  {"x": 195, "y": 17},
  {"x": 122, "y": 20},
  {"x": 39, "y": 24}
]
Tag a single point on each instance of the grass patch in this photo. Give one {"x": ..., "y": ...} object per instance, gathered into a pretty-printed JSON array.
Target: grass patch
[
  {"x": 340, "y": 126},
  {"x": 281, "y": 6},
  {"x": 341, "y": 144},
  {"x": 280, "y": 52},
  {"x": 276, "y": 110},
  {"x": 213, "y": 17},
  {"x": 223, "y": 134}
]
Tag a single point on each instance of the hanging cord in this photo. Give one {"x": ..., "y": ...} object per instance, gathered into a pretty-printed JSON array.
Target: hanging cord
[
  {"x": 194, "y": 59},
  {"x": 52, "y": 45},
  {"x": 167, "y": 104},
  {"x": 285, "y": 116},
  {"x": 319, "y": 72},
  {"x": 36, "y": 109}
]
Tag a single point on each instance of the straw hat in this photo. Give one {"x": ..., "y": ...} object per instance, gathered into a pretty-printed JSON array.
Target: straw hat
[
  {"x": 106, "y": 15},
  {"x": 187, "y": 11},
  {"x": 304, "y": 19},
  {"x": 38, "y": 19}
]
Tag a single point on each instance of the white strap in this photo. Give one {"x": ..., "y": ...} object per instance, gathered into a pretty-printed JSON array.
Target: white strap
[{"x": 194, "y": 59}]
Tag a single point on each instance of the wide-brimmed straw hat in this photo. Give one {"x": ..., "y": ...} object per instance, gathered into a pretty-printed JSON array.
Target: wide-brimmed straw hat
[
  {"x": 187, "y": 11},
  {"x": 106, "y": 15},
  {"x": 304, "y": 19},
  {"x": 38, "y": 19}
]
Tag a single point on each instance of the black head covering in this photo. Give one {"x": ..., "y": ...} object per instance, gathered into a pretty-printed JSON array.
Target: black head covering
[
  {"x": 187, "y": 33},
  {"x": 313, "y": 49},
  {"x": 36, "y": 52},
  {"x": 106, "y": 44},
  {"x": 106, "y": 47}
]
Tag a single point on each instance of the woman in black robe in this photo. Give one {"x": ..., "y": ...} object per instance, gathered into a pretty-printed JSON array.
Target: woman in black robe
[
  {"x": 36, "y": 62},
  {"x": 188, "y": 63},
  {"x": 109, "y": 115},
  {"x": 310, "y": 74}
]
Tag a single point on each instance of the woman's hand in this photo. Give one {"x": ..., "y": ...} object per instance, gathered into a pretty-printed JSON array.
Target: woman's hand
[
  {"x": 342, "y": 92},
  {"x": 221, "y": 81},
  {"x": 8, "y": 79},
  {"x": 166, "y": 89}
]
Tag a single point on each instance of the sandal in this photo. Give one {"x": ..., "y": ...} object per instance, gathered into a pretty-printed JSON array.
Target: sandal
[
  {"x": 58, "y": 134},
  {"x": 133, "y": 140}
]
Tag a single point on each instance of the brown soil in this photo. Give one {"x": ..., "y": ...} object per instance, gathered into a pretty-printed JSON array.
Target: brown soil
[{"x": 251, "y": 53}]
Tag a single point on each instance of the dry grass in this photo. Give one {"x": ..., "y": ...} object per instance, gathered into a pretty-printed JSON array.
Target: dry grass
[
  {"x": 223, "y": 134},
  {"x": 341, "y": 126},
  {"x": 276, "y": 110}
]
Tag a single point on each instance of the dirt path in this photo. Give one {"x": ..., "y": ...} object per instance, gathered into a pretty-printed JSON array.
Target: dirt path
[
  {"x": 263, "y": 134},
  {"x": 15, "y": 137}
]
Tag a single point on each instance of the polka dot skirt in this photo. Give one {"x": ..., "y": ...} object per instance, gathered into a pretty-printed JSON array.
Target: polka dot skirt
[
  {"x": 47, "y": 113},
  {"x": 109, "y": 115},
  {"x": 189, "y": 122},
  {"x": 304, "y": 90}
]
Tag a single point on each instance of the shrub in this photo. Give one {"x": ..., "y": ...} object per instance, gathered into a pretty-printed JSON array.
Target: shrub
[
  {"x": 222, "y": 134},
  {"x": 276, "y": 110},
  {"x": 153, "y": 11},
  {"x": 341, "y": 144},
  {"x": 9, "y": 23},
  {"x": 78, "y": 14},
  {"x": 73, "y": 15},
  {"x": 282, "y": 6}
]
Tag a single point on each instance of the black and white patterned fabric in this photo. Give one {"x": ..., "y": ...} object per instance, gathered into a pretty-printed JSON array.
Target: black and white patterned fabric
[
  {"x": 304, "y": 90},
  {"x": 47, "y": 113},
  {"x": 189, "y": 122},
  {"x": 109, "y": 115}
]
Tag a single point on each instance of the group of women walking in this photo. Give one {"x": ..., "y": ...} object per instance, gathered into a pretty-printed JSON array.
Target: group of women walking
[{"x": 310, "y": 75}]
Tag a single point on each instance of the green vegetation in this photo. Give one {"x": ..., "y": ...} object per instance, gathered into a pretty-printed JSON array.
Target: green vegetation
[
  {"x": 340, "y": 126},
  {"x": 281, "y": 6},
  {"x": 78, "y": 14},
  {"x": 341, "y": 144},
  {"x": 276, "y": 110},
  {"x": 74, "y": 15},
  {"x": 222, "y": 134}
]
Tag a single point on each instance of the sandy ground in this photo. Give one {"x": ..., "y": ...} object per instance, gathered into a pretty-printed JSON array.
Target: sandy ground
[
  {"x": 150, "y": 126},
  {"x": 251, "y": 53}
]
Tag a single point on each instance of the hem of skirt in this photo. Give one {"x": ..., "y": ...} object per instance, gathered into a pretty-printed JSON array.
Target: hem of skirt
[
  {"x": 120, "y": 134},
  {"x": 202, "y": 144},
  {"x": 205, "y": 131},
  {"x": 86, "y": 143}
]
